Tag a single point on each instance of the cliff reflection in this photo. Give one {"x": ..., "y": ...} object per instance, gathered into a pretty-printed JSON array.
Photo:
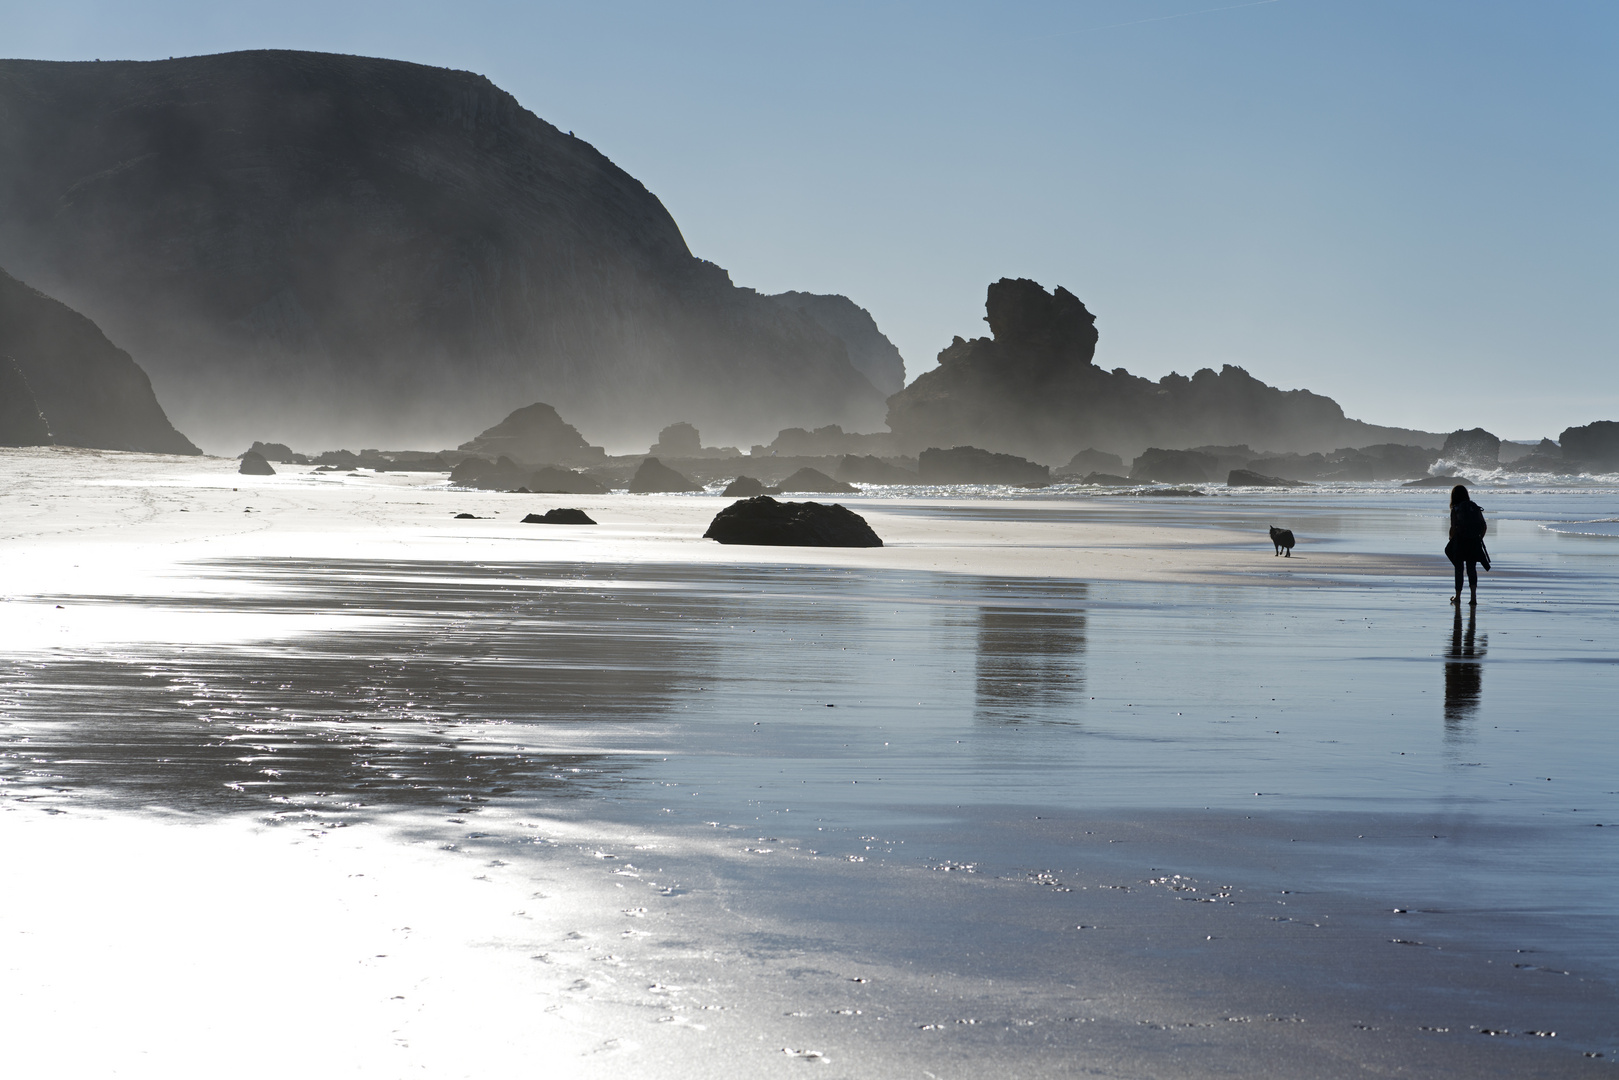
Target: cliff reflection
[
  {"x": 1464, "y": 675},
  {"x": 1029, "y": 663}
]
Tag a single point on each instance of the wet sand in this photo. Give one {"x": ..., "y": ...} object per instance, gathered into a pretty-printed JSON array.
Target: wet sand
[{"x": 607, "y": 821}]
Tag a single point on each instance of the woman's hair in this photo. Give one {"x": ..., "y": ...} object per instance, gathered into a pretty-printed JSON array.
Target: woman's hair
[{"x": 1458, "y": 495}]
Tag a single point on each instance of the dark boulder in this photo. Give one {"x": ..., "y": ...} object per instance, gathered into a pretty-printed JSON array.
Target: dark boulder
[
  {"x": 873, "y": 470},
  {"x": 1248, "y": 478},
  {"x": 551, "y": 480},
  {"x": 1173, "y": 466},
  {"x": 681, "y": 440},
  {"x": 280, "y": 453},
  {"x": 338, "y": 459},
  {"x": 253, "y": 464},
  {"x": 1102, "y": 479},
  {"x": 653, "y": 477},
  {"x": 764, "y": 521},
  {"x": 1474, "y": 446},
  {"x": 970, "y": 465},
  {"x": 1089, "y": 461},
  {"x": 560, "y": 516},
  {"x": 466, "y": 517},
  {"x": 744, "y": 487},
  {"x": 814, "y": 480}
]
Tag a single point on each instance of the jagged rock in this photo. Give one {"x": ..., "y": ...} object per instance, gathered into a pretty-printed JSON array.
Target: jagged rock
[
  {"x": 970, "y": 465},
  {"x": 560, "y": 516},
  {"x": 1102, "y": 479},
  {"x": 1173, "y": 466},
  {"x": 764, "y": 521},
  {"x": 1474, "y": 446},
  {"x": 1248, "y": 478},
  {"x": 744, "y": 487},
  {"x": 828, "y": 441},
  {"x": 653, "y": 476},
  {"x": 551, "y": 480},
  {"x": 678, "y": 440},
  {"x": 1091, "y": 460},
  {"x": 1596, "y": 444},
  {"x": 504, "y": 474},
  {"x": 338, "y": 459},
  {"x": 1446, "y": 480},
  {"x": 815, "y": 480},
  {"x": 21, "y": 422},
  {"x": 59, "y": 368},
  {"x": 873, "y": 470},
  {"x": 253, "y": 464},
  {"x": 371, "y": 247},
  {"x": 1032, "y": 389},
  {"x": 536, "y": 435},
  {"x": 870, "y": 351}
]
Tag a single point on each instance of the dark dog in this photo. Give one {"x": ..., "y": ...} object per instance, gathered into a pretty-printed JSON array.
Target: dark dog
[{"x": 1282, "y": 538}]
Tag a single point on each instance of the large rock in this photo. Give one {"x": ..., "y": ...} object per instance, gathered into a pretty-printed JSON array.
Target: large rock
[
  {"x": 62, "y": 382},
  {"x": 504, "y": 474},
  {"x": 813, "y": 480},
  {"x": 280, "y": 452},
  {"x": 536, "y": 435},
  {"x": 1173, "y": 466},
  {"x": 970, "y": 465},
  {"x": 870, "y": 351},
  {"x": 383, "y": 252},
  {"x": 253, "y": 464},
  {"x": 683, "y": 440},
  {"x": 1596, "y": 444},
  {"x": 1474, "y": 446},
  {"x": 873, "y": 470},
  {"x": 1033, "y": 389},
  {"x": 654, "y": 476},
  {"x": 744, "y": 487},
  {"x": 1249, "y": 478},
  {"x": 762, "y": 520},
  {"x": 1092, "y": 460}
]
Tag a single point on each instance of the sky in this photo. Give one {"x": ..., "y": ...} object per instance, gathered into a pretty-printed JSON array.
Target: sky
[{"x": 1408, "y": 205}]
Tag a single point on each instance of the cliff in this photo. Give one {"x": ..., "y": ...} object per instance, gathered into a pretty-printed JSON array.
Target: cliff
[
  {"x": 63, "y": 383},
  {"x": 1032, "y": 388},
  {"x": 870, "y": 351},
  {"x": 329, "y": 248}
]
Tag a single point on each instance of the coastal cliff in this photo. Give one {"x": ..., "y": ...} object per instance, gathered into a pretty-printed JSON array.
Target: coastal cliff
[{"x": 366, "y": 250}]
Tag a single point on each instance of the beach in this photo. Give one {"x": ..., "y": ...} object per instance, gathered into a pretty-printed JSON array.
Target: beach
[{"x": 305, "y": 771}]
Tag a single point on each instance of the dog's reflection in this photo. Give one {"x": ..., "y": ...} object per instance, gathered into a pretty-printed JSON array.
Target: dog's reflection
[{"x": 1464, "y": 675}]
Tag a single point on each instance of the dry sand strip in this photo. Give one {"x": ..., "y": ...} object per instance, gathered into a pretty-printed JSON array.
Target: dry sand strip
[{"x": 155, "y": 510}]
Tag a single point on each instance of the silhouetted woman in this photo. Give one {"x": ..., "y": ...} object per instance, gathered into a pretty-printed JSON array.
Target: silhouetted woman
[{"x": 1466, "y": 547}]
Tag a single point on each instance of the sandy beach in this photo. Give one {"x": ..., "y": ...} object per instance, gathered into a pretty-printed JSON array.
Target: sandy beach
[{"x": 305, "y": 771}]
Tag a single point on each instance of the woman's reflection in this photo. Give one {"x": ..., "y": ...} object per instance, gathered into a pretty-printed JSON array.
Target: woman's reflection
[
  {"x": 1029, "y": 661},
  {"x": 1463, "y": 673}
]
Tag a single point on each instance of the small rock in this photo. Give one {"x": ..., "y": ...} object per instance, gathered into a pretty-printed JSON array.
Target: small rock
[
  {"x": 560, "y": 516},
  {"x": 253, "y": 464}
]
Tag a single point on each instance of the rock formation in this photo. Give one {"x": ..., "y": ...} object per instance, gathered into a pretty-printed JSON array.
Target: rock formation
[
  {"x": 1173, "y": 466},
  {"x": 654, "y": 476},
  {"x": 970, "y": 465},
  {"x": 1102, "y": 479},
  {"x": 559, "y": 516},
  {"x": 1595, "y": 445},
  {"x": 870, "y": 351},
  {"x": 1092, "y": 460},
  {"x": 813, "y": 480},
  {"x": 744, "y": 487},
  {"x": 253, "y": 464},
  {"x": 62, "y": 382},
  {"x": 536, "y": 435},
  {"x": 682, "y": 440},
  {"x": 762, "y": 520},
  {"x": 504, "y": 474},
  {"x": 1474, "y": 446},
  {"x": 278, "y": 452},
  {"x": 1032, "y": 389},
  {"x": 1248, "y": 478},
  {"x": 382, "y": 252}
]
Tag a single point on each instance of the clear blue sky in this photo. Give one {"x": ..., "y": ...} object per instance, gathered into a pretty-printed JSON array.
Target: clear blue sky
[{"x": 1409, "y": 205}]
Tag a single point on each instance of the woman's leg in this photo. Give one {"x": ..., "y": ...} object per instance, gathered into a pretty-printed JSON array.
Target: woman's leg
[
  {"x": 1456, "y": 597},
  {"x": 1472, "y": 579}
]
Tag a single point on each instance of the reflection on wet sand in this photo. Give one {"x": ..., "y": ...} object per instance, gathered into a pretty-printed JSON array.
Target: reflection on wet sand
[
  {"x": 453, "y": 696},
  {"x": 1030, "y": 659},
  {"x": 1464, "y": 675}
]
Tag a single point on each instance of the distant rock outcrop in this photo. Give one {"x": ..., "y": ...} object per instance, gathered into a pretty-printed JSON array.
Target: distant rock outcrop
[
  {"x": 380, "y": 251},
  {"x": 813, "y": 480},
  {"x": 873, "y": 470},
  {"x": 253, "y": 464},
  {"x": 744, "y": 487},
  {"x": 683, "y": 440},
  {"x": 536, "y": 435},
  {"x": 1102, "y": 479},
  {"x": 1595, "y": 444},
  {"x": 1092, "y": 460},
  {"x": 1173, "y": 466},
  {"x": 1474, "y": 446},
  {"x": 1248, "y": 478},
  {"x": 970, "y": 465},
  {"x": 504, "y": 474},
  {"x": 764, "y": 521},
  {"x": 279, "y": 452},
  {"x": 62, "y": 382},
  {"x": 654, "y": 476},
  {"x": 870, "y": 351},
  {"x": 1032, "y": 389}
]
